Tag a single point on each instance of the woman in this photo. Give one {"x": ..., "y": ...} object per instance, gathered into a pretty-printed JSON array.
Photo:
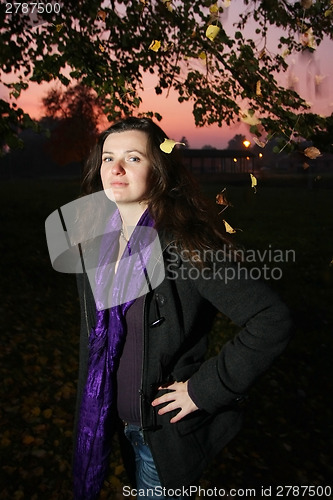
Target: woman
[{"x": 142, "y": 356}]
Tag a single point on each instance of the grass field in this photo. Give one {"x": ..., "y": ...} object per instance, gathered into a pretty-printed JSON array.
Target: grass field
[{"x": 287, "y": 437}]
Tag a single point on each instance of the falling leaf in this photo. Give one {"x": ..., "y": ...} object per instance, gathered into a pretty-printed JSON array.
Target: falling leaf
[
  {"x": 258, "y": 89},
  {"x": 213, "y": 9},
  {"x": 285, "y": 53},
  {"x": 248, "y": 116},
  {"x": 58, "y": 27},
  {"x": 202, "y": 56},
  {"x": 155, "y": 45},
  {"x": 262, "y": 53},
  {"x": 308, "y": 39},
  {"x": 228, "y": 228},
  {"x": 306, "y": 166},
  {"x": 212, "y": 31},
  {"x": 167, "y": 46},
  {"x": 222, "y": 200},
  {"x": 168, "y": 5},
  {"x": 101, "y": 14},
  {"x": 258, "y": 142},
  {"x": 312, "y": 152},
  {"x": 254, "y": 182},
  {"x": 168, "y": 145},
  {"x": 101, "y": 47}
]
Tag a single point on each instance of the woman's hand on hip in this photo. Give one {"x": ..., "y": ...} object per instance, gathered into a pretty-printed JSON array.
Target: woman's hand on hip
[{"x": 178, "y": 397}]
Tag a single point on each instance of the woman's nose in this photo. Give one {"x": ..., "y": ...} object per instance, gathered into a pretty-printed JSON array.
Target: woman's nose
[{"x": 117, "y": 168}]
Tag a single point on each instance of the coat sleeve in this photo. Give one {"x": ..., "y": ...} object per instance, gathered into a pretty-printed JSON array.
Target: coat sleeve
[{"x": 265, "y": 324}]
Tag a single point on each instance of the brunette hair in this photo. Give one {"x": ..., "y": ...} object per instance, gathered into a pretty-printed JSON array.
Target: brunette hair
[{"x": 174, "y": 198}]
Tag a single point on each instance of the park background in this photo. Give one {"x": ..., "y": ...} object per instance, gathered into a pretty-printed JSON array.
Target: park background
[{"x": 287, "y": 436}]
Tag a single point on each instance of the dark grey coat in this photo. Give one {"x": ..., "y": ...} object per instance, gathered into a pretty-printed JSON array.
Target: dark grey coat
[{"x": 175, "y": 350}]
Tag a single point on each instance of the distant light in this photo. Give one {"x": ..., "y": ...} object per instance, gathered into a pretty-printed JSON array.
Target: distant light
[
  {"x": 235, "y": 160},
  {"x": 247, "y": 157},
  {"x": 246, "y": 143},
  {"x": 260, "y": 155}
]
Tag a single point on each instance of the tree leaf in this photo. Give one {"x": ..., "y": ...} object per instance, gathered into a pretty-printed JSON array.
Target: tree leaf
[{"x": 168, "y": 145}]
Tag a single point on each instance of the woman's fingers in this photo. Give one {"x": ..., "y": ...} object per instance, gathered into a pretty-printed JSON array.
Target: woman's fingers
[{"x": 178, "y": 397}]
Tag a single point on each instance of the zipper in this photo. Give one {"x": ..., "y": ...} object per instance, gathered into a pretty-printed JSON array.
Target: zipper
[
  {"x": 141, "y": 391},
  {"x": 142, "y": 397}
]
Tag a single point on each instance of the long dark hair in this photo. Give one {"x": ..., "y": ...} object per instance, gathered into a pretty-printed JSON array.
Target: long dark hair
[{"x": 174, "y": 198}]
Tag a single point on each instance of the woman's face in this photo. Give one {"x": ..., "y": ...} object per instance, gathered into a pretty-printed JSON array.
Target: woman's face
[{"x": 125, "y": 167}]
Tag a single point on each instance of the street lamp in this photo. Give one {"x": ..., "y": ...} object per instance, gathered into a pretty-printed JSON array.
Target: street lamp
[{"x": 246, "y": 143}]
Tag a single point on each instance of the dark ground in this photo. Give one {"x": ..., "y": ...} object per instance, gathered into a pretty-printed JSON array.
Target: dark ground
[{"x": 287, "y": 437}]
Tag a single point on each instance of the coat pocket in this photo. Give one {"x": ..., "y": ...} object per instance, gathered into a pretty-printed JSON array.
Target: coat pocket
[{"x": 194, "y": 421}]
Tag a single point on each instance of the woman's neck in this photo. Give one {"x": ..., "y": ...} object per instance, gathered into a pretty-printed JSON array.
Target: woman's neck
[{"x": 130, "y": 215}]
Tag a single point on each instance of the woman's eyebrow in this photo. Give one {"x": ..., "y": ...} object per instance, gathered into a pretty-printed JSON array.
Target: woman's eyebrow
[{"x": 127, "y": 151}]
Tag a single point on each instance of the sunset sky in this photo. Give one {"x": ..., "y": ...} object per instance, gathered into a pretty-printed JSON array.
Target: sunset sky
[{"x": 311, "y": 74}]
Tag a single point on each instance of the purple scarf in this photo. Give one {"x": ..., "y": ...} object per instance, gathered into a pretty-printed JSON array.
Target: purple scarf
[{"x": 95, "y": 421}]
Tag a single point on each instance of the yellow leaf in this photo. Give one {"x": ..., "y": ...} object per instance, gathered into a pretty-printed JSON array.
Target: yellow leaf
[
  {"x": 258, "y": 89},
  {"x": 247, "y": 116},
  {"x": 213, "y": 9},
  {"x": 212, "y": 31},
  {"x": 168, "y": 145},
  {"x": 202, "y": 56},
  {"x": 155, "y": 45},
  {"x": 306, "y": 166},
  {"x": 59, "y": 27},
  {"x": 101, "y": 48},
  {"x": 47, "y": 413},
  {"x": 168, "y": 5},
  {"x": 312, "y": 152},
  {"x": 254, "y": 182},
  {"x": 228, "y": 228},
  {"x": 308, "y": 39}
]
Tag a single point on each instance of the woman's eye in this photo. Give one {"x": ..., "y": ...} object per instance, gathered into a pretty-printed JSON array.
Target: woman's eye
[
  {"x": 107, "y": 159},
  {"x": 133, "y": 159}
]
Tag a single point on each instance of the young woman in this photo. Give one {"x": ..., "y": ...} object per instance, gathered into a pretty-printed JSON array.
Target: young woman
[{"x": 143, "y": 358}]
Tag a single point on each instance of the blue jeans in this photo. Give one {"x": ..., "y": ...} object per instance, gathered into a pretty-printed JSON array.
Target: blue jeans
[{"x": 148, "y": 483}]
